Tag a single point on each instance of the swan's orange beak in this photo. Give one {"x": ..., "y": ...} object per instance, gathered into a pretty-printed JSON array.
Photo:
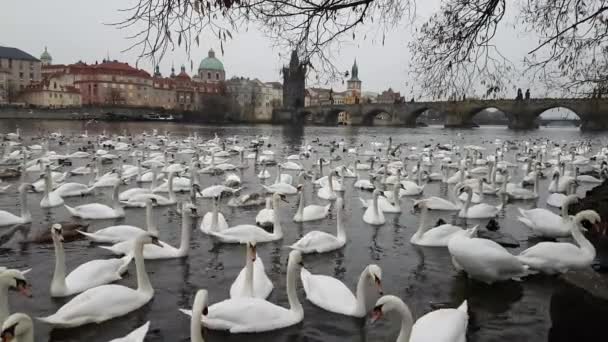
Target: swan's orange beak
[
  {"x": 7, "y": 337},
  {"x": 25, "y": 290},
  {"x": 376, "y": 314}
]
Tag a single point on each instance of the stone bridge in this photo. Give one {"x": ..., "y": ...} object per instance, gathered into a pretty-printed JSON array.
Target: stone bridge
[{"x": 521, "y": 114}]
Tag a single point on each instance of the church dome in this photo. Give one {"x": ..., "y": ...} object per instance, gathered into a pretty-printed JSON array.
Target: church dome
[
  {"x": 46, "y": 55},
  {"x": 211, "y": 63}
]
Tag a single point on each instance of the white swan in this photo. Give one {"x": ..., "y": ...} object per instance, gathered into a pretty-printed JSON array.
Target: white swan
[
  {"x": 163, "y": 250},
  {"x": 11, "y": 279},
  {"x": 250, "y": 315},
  {"x": 433, "y": 236},
  {"x": 373, "y": 215},
  {"x": 105, "y": 302},
  {"x": 559, "y": 257},
  {"x": 88, "y": 275},
  {"x": 252, "y": 281},
  {"x": 332, "y": 295},
  {"x": 320, "y": 242},
  {"x": 50, "y": 199},
  {"x": 546, "y": 223},
  {"x": 438, "y": 203},
  {"x": 282, "y": 188},
  {"x": 72, "y": 189},
  {"x": 19, "y": 328},
  {"x": 123, "y": 232},
  {"x": 313, "y": 212},
  {"x": 214, "y": 220},
  {"x": 98, "y": 211},
  {"x": 443, "y": 325},
  {"x": 199, "y": 308},
  {"x": 265, "y": 218},
  {"x": 9, "y": 219},
  {"x": 139, "y": 200},
  {"x": 327, "y": 192},
  {"x": 478, "y": 211},
  {"x": 247, "y": 232},
  {"x": 137, "y": 335},
  {"x": 484, "y": 260}
]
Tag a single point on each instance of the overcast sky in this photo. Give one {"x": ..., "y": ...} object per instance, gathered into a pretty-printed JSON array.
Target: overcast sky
[{"x": 77, "y": 30}]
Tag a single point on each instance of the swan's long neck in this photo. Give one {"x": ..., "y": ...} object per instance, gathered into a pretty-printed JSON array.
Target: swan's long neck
[
  {"x": 196, "y": 334},
  {"x": 48, "y": 183},
  {"x": 340, "y": 233},
  {"x": 422, "y": 226},
  {"x": 407, "y": 321},
  {"x": 278, "y": 229},
  {"x": 58, "y": 282},
  {"x": 143, "y": 282},
  {"x": 301, "y": 205},
  {"x": 375, "y": 204},
  {"x": 468, "y": 203},
  {"x": 582, "y": 241},
  {"x": 248, "y": 290},
  {"x": 215, "y": 215},
  {"x": 396, "y": 189},
  {"x": 170, "y": 185},
  {"x": 292, "y": 296},
  {"x": 536, "y": 181},
  {"x": 25, "y": 210},
  {"x": 481, "y": 194},
  {"x": 361, "y": 291},
  {"x": 184, "y": 245},
  {"x": 4, "y": 308},
  {"x": 565, "y": 207},
  {"x": 150, "y": 223},
  {"x": 115, "y": 201},
  {"x": 154, "y": 182},
  {"x": 330, "y": 178}
]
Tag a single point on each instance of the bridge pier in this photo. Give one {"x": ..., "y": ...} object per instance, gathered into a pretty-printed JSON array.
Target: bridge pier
[
  {"x": 523, "y": 121},
  {"x": 457, "y": 120},
  {"x": 594, "y": 123}
]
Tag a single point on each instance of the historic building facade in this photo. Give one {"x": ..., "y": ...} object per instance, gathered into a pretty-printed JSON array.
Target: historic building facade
[
  {"x": 390, "y": 96},
  {"x": 294, "y": 83},
  {"x": 20, "y": 69},
  {"x": 254, "y": 100}
]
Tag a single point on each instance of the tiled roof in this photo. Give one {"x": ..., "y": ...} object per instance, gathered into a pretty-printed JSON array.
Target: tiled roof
[{"x": 14, "y": 53}]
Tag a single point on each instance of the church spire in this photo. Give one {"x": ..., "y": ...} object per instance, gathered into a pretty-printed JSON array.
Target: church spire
[{"x": 355, "y": 71}]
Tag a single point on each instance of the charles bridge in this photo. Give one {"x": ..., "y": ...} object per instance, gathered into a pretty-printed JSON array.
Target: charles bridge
[{"x": 520, "y": 113}]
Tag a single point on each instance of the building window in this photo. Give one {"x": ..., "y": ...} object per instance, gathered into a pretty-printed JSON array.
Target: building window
[
  {"x": 217, "y": 76},
  {"x": 31, "y": 65},
  {"x": 21, "y": 75},
  {"x": 122, "y": 86},
  {"x": 54, "y": 85},
  {"x": 105, "y": 85},
  {"x": 208, "y": 75},
  {"x": 31, "y": 76},
  {"x": 114, "y": 85}
]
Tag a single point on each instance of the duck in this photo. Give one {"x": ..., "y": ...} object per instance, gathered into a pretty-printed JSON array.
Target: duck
[
  {"x": 137, "y": 335},
  {"x": 332, "y": 295},
  {"x": 9, "y": 219},
  {"x": 11, "y": 279},
  {"x": 88, "y": 275},
  {"x": 373, "y": 215},
  {"x": 214, "y": 220},
  {"x": 484, "y": 260},
  {"x": 246, "y": 232},
  {"x": 321, "y": 242},
  {"x": 546, "y": 223},
  {"x": 18, "y": 327},
  {"x": 252, "y": 281},
  {"x": 98, "y": 211},
  {"x": 307, "y": 213},
  {"x": 559, "y": 257},
  {"x": 123, "y": 232},
  {"x": 452, "y": 322},
  {"x": 265, "y": 218},
  {"x": 163, "y": 250},
  {"x": 438, "y": 236},
  {"x": 106, "y": 302},
  {"x": 255, "y": 315},
  {"x": 50, "y": 199}
]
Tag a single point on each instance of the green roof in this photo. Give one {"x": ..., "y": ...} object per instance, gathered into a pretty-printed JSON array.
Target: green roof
[
  {"x": 211, "y": 63},
  {"x": 45, "y": 55}
]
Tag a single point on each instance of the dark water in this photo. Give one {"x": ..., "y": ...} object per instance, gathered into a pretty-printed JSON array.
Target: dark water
[{"x": 538, "y": 309}]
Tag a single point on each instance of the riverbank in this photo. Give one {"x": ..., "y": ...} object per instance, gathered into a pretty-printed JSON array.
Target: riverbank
[{"x": 83, "y": 113}]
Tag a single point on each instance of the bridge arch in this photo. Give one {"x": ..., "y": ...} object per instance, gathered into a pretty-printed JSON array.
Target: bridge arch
[
  {"x": 337, "y": 115},
  {"x": 488, "y": 115},
  {"x": 558, "y": 115},
  {"x": 377, "y": 116}
]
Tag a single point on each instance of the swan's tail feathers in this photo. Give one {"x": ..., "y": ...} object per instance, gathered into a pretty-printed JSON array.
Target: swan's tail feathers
[
  {"x": 71, "y": 210},
  {"x": 26, "y": 271},
  {"x": 525, "y": 221},
  {"x": 89, "y": 236},
  {"x": 187, "y": 312},
  {"x": 464, "y": 307},
  {"x": 472, "y": 232},
  {"x": 109, "y": 248},
  {"x": 126, "y": 260},
  {"x": 140, "y": 333}
]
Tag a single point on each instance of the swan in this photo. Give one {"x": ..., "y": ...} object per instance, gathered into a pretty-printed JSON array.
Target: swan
[
  {"x": 18, "y": 327},
  {"x": 199, "y": 308},
  {"x": 119, "y": 233},
  {"x": 264, "y": 174},
  {"x": 434, "y": 236},
  {"x": 9, "y": 219},
  {"x": 363, "y": 184},
  {"x": 443, "y": 325},
  {"x": 438, "y": 203},
  {"x": 11, "y": 279},
  {"x": 252, "y": 281},
  {"x": 484, "y": 260},
  {"x": 72, "y": 189},
  {"x": 50, "y": 199},
  {"x": 332, "y": 295},
  {"x": 105, "y": 302},
  {"x": 137, "y": 335},
  {"x": 127, "y": 194},
  {"x": 478, "y": 211},
  {"x": 385, "y": 204},
  {"x": 283, "y": 188},
  {"x": 163, "y": 250},
  {"x": 139, "y": 200},
  {"x": 559, "y": 257},
  {"x": 251, "y": 315},
  {"x": 373, "y": 215},
  {"x": 98, "y": 211},
  {"x": 88, "y": 275},
  {"x": 557, "y": 199},
  {"x": 320, "y": 242},
  {"x": 311, "y": 212},
  {"x": 213, "y": 221},
  {"x": 546, "y": 223},
  {"x": 265, "y": 218},
  {"x": 217, "y": 190},
  {"x": 246, "y": 232},
  {"x": 327, "y": 192}
]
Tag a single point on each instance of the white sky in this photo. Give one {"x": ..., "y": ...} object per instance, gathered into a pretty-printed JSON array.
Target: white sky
[{"x": 77, "y": 30}]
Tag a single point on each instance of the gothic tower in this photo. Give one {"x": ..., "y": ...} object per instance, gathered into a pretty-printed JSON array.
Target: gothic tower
[
  {"x": 294, "y": 83},
  {"x": 354, "y": 84}
]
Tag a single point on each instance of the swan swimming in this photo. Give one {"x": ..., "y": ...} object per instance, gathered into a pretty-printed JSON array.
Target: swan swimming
[
  {"x": 252, "y": 281},
  {"x": 321, "y": 242}
]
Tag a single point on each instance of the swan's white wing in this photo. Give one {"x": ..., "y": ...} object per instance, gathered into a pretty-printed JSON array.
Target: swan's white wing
[
  {"x": 316, "y": 241},
  {"x": 136, "y": 335},
  {"x": 444, "y": 325},
  {"x": 93, "y": 273},
  {"x": 262, "y": 285},
  {"x": 328, "y": 293},
  {"x": 93, "y": 210},
  {"x": 244, "y": 233},
  {"x": 7, "y": 219}
]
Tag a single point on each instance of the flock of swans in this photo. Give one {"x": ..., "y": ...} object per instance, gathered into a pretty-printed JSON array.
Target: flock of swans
[{"x": 161, "y": 166}]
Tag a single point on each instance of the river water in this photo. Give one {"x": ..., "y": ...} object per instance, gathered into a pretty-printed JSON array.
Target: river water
[{"x": 537, "y": 309}]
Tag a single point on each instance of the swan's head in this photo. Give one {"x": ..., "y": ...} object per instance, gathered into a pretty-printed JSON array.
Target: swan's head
[
  {"x": 300, "y": 187},
  {"x": 589, "y": 219},
  {"x": 152, "y": 201},
  {"x": 377, "y": 193},
  {"x": 295, "y": 258},
  {"x": 421, "y": 205},
  {"x": 27, "y": 187},
  {"x": 16, "y": 325},
  {"x": 252, "y": 250},
  {"x": 279, "y": 197},
  {"x": 148, "y": 238},
  {"x": 383, "y": 305},
  {"x": 15, "y": 280},
  {"x": 189, "y": 208},
  {"x": 374, "y": 273},
  {"x": 201, "y": 301},
  {"x": 57, "y": 232}
]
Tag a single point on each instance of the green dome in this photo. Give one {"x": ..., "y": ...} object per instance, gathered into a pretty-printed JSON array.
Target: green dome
[
  {"x": 211, "y": 63},
  {"x": 45, "y": 55}
]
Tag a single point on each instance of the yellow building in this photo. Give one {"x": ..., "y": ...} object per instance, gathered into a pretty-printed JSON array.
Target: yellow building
[{"x": 52, "y": 92}]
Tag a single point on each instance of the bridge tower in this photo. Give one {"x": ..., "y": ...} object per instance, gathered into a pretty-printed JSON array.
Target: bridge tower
[
  {"x": 353, "y": 86},
  {"x": 294, "y": 83}
]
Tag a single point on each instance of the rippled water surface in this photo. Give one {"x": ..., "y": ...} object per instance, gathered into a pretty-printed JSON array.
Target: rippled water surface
[{"x": 537, "y": 309}]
